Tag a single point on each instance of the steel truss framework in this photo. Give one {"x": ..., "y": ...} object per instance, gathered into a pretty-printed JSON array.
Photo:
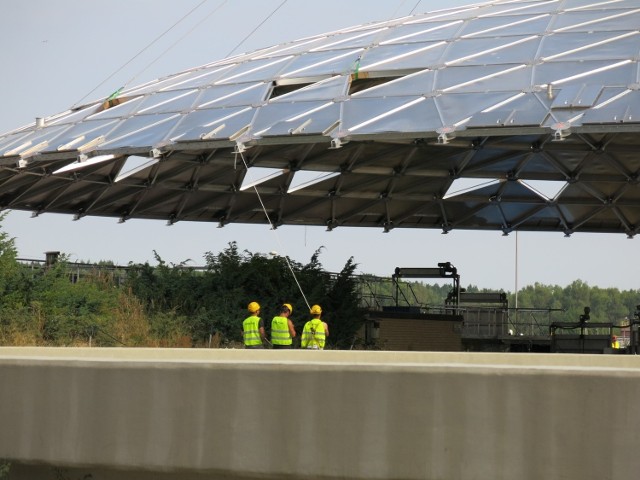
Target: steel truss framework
[{"x": 512, "y": 115}]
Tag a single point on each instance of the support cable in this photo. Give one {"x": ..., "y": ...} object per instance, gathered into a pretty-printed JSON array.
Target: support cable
[
  {"x": 255, "y": 29},
  {"x": 414, "y": 8},
  {"x": 176, "y": 42},
  {"x": 138, "y": 54},
  {"x": 395, "y": 13},
  {"x": 280, "y": 246}
]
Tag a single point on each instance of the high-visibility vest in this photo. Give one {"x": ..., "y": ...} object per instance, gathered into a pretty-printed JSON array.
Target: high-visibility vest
[
  {"x": 251, "y": 329},
  {"x": 313, "y": 335},
  {"x": 280, "y": 334}
]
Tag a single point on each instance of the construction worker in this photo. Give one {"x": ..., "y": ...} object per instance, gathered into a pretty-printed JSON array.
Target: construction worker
[
  {"x": 315, "y": 331},
  {"x": 614, "y": 342},
  {"x": 253, "y": 327},
  {"x": 282, "y": 330}
]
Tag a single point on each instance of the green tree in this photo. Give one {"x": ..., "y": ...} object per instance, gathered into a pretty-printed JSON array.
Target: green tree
[
  {"x": 341, "y": 310},
  {"x": 214, "y": 302}
]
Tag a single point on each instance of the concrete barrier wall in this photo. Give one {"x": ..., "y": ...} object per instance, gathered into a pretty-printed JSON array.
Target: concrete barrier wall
[{"x": 127, "y": 413}]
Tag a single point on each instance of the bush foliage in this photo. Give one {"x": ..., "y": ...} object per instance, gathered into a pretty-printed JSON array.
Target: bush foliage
[{"x": 167, "y": 305}]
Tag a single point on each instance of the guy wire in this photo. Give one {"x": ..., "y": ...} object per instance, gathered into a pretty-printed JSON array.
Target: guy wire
[
  {"x": 204, "y": 19},
  {"x": 255, "y": 29},
  {"x": 141, "y": 52},
  {"x": 416, "y": 6},
  {"x": 264, "y": 209}
]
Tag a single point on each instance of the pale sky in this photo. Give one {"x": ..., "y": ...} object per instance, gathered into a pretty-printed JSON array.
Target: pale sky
[{"x": 58, "y": 53}]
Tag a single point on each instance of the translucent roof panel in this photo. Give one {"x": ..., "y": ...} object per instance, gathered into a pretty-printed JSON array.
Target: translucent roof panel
[
  {"x": 476, "y": 79},
  {"x": 42, "y": 136},
  {"x": 72, "y": 116},
  {"x": 611, "y": 94},
  {"x": 576, "y": 96},
  {"x": 218, "y": 96},
  {"x": 461, "y": 186},
  {"x": 517, "y": 110},
  {"x": 156, "y": 85},
  {"x": 79, "y": 165},
  {"x": 350, "y": 39},
  {"x": 273, "y": 113},
  {"x": 218, "y": 123},
  {"x": 142, "y": 129},
  {"x": 401, "y": 114},
  {"x": 197, "y": 78},
  {"x": 506, "y": 26},
  {"x": 548, "y": 190},
  {"x": 531, "y": 8},
  {"x": 83, "y": 133},
  {"x": 455, "y": 108},
  {"x": 303, "y": 179},
  {"x": 370, "y": 125},
  {"x": 257, "y": 175},
  {"x": 9, "y": 142},
  {"x": 486, "y": 51},
  {"x": 407, "y": 56},
  {"x": 255, "y": 70},
  {"x": 291, "y": 48},
  {"x": 419, "y": 83},
  {"x": 331, "y": 62},
  {"x": 361, "y": 112},
  {"x": 133, "y": 165},
  {"x": 315, "y": 119},
  {"x": 601, "y": 72},
  {"x": 121, "y": 110},
  {"x": 598, "y": 5},
  {"x": 624, "y": 109},
  {"x": 585, "y": 20},
  {"x": 325, "y": 89},
  {"x": 166, "y": 102},
  {"x": 430, "y": 32},
  {"x": 589, "y": 46}
]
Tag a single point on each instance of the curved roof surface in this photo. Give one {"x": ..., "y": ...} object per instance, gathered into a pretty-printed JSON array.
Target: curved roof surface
[{"x": 503, "y": 115}]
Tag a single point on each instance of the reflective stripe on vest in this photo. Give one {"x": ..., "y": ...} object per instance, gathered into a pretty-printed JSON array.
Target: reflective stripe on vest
[
  {"x": 280, "y": 331},
  {"x": 251, "y": 329},
  {"x": 313, "y": 335}
]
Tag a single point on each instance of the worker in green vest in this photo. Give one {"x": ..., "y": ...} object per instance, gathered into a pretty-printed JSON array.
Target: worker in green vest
[
  {"x": 253, "y": 327},
  {"x": 315, "y": 331},
  {"x": 282, "y": 330}
]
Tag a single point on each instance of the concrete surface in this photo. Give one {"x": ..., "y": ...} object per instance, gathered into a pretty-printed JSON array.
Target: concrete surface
[{"x": 195, "y": 414}]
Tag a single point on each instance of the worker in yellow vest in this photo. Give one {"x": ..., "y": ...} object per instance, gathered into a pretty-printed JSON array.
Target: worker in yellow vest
[
  {"x": 614, "y": 342},
  {"x": 282, "y": 329},
  {"x": 253, "y": 327},
  {"x": 315, "y": 331}
]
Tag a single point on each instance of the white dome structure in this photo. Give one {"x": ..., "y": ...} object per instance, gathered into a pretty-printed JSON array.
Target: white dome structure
[{"x": 509, "y": 115}]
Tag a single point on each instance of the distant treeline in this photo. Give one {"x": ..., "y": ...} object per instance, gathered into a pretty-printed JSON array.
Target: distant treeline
[{"x": 608, "y": 305}]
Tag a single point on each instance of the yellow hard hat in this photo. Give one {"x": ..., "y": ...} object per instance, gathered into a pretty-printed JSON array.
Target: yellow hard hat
[
  {"x": 316, "y": 310},
  {"x": 253, "y": 307},
  {"x": 288, "y": 306}
]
